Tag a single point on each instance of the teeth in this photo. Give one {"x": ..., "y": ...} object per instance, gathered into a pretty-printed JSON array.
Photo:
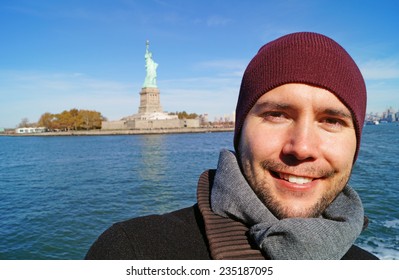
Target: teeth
[{"x": 295, "y": 179}]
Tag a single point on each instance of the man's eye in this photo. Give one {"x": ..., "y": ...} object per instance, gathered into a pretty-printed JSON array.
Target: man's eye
[
  {"x": 334, "y": 122},
  {"x": 274, "y": 116}
]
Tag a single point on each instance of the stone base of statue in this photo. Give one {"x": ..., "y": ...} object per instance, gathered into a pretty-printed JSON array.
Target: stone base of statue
[{"x": 149, "y": 101}]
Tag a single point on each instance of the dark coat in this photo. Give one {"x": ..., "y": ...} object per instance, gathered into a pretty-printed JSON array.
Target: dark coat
[{"x": 176, "y": 235}]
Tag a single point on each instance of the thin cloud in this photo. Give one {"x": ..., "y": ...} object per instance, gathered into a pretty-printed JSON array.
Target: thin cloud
[
  {"x": 216, "y": 102},
  {"x": 225, "y": 68},
  {"x": 30, "y": 94},
  {"x": 214, "y": 95},
  {"x": 35, "y": 93},
  {"x": 215, "y": 21},
  {"x": 224, "y": 64},
  {"x": 382, "y": 69},
  {"x": 60, "y": 83}
]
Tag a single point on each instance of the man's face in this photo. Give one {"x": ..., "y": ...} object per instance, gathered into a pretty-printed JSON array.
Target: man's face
[{"x": 297, "y": 148}]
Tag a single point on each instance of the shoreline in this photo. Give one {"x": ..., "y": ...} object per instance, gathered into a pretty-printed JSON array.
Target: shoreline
[{"x": 100, "y": 132}]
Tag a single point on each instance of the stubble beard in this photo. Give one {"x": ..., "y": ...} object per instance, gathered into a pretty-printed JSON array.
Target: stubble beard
[{"x": 263, "y": 189}]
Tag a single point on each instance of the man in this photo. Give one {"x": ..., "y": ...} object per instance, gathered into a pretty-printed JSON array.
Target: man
[{"x": 283, "y": 193}]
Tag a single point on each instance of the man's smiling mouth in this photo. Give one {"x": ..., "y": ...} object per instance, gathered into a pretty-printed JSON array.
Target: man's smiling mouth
[
  {"x": 295, "y": 179},
  {"x": 300, "y": 176}
]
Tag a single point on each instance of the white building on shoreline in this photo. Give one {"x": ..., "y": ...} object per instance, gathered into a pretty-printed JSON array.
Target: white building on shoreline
[{"x": 28, "y": 130}]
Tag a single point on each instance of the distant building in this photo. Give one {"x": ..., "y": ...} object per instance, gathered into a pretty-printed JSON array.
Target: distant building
[
  {"x": 150, "y": 114},
  {"x": 27, "y": 130}
]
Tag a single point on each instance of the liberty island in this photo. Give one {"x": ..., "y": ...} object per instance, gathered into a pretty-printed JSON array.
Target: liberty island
[
  {"x": 150, "y": 114},
  {"x": 149, "y": 119}
]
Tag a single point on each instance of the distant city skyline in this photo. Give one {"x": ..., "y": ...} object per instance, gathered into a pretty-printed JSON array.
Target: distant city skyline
[
  {"x": 389, "y": 115},
  {"x": 59, "y": 55}
]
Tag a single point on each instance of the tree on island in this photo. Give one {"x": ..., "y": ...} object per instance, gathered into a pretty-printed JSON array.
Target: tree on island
[
  {"x": 185, "y": 115},
  {"x": 25, "y": 123},
  {"x": 73, "y": 119}
]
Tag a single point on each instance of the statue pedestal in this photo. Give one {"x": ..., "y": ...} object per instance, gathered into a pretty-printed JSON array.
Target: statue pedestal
[{"x": 149, "y": 101}]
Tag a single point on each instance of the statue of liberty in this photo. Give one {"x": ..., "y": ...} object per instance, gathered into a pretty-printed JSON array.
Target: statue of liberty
[{"x": 151, "y": 68}]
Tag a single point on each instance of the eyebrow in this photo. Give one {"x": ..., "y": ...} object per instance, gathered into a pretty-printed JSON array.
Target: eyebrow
[
  {"x": 267, "y": 105},
  {"x": 338, "y": 113}
]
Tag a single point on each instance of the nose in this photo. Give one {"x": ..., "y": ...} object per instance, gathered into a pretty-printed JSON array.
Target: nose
[{"x": 302, "y": 142}]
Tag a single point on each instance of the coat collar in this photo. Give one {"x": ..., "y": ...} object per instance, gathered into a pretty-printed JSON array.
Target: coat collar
[{"x": 228, "y": 239}]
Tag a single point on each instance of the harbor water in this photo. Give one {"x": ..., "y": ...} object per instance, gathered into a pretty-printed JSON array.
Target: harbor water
[{"x": 58, "y": 194}]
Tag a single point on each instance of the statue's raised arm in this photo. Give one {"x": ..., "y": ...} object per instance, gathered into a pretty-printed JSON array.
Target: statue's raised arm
[{"x": 151, "y": 68}]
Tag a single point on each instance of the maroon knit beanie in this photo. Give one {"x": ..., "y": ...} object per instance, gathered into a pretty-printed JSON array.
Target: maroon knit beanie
[{"x": 308, "y": 58}]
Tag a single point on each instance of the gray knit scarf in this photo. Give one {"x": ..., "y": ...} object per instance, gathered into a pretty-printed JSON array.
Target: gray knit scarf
[{"x": 326, "y": 238}]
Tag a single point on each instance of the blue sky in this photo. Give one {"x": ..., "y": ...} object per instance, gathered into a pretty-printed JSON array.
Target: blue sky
[{"x": 59, "y": 55}]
